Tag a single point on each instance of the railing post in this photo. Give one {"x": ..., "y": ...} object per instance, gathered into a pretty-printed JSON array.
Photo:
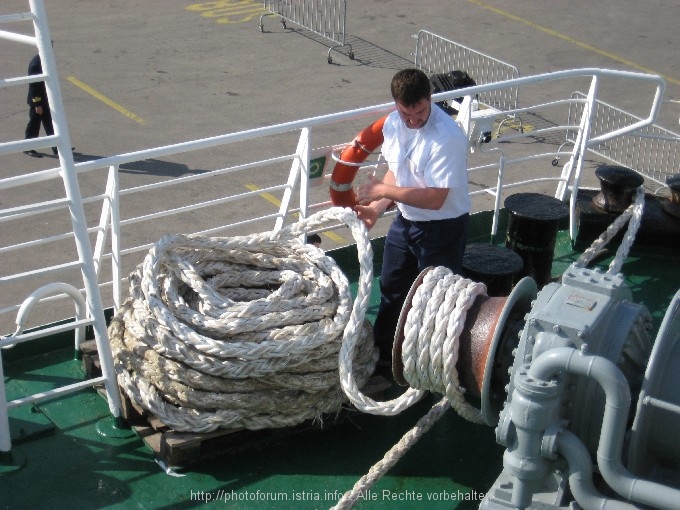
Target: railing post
[
  {"x": 113, "y": 196},
  {"x": 71, "y": 187},
  {"x": 5, "y": 438}
]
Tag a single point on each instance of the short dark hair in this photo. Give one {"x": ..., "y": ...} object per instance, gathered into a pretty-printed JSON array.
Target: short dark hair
[{"x": 410, "y": 86}]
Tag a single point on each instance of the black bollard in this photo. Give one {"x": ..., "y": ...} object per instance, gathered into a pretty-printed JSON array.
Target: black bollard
[
  {"x": 533, "y": 222},
  {"x": 494, "y": 266},
  {"x": 672, "y": 205},
  {"x": 618, "y": 185}
]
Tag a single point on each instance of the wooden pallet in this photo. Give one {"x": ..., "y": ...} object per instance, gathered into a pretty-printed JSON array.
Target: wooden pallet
[{"x": 179, "y": 449}]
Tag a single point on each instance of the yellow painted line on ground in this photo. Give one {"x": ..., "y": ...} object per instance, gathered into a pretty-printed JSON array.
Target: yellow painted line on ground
[
  {"x": 271, "y": 198},
  {"x": 578, "y": 43},
  {"x": 105, "y": 99},
  {"x": 335, "y": 237},
  {"x": 267, "y": 196}
]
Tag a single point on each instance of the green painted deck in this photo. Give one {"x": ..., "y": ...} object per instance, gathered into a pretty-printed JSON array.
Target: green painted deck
[{"x": 60, "y": 459}]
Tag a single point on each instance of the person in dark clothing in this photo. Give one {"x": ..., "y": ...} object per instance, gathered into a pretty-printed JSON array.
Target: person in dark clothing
[
  {"x": 314, "y": 239},
  {"x": 39, "y": 107}
]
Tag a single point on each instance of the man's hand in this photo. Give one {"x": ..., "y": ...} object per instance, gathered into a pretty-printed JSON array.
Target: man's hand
[
  {"x": 367, "y": 214},
  {"x": 370, "y": 191}
]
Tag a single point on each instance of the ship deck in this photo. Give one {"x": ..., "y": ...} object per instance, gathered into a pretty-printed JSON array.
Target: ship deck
[
  {"x": 65, "y": 452},
  {"x": 150, "y": 74}
]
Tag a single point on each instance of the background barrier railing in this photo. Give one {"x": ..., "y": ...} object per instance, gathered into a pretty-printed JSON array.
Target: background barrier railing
[
  {"x": 435, "y": 54},
  {"x": 327, "y": 18}
]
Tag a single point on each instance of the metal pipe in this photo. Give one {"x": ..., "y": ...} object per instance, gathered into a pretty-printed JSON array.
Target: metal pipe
[
  {"x": 617, "y": 404},
  {"x": 49, "y": 290},
  {"x": 581, "y": 475}
]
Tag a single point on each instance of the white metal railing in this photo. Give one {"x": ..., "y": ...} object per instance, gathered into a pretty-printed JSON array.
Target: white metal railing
[
  {"x": 126, "y": 220},
  {"x": 121, "y": 236},
  {"x": 327, "y": 18},
  {"x": 652, "y": 151}
]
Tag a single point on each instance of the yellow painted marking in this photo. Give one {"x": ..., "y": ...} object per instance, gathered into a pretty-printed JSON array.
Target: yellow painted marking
[
  {"x": 226, "y": 11},
  {"x": 271, "y": 198},
  {"x": 581, "y": 44},
  {"x": 335, "y": 237},
  {"x": 267, "y": 196},
  {"x": 105, "y": 100}
]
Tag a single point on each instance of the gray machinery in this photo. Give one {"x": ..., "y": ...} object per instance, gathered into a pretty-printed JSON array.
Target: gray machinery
[{"x": 591, "y": 402}]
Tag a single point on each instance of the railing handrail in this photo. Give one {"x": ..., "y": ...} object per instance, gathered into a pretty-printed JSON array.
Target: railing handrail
[{"x": 310, "y": 122}]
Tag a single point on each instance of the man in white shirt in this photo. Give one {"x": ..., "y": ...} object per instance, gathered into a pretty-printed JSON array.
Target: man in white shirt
[{"x": 426, "y": 153}]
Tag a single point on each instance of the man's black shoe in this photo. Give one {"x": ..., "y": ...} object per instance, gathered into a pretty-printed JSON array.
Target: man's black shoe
[
  {"x": 33, "y": 153},
  {"x": 56, "y": 152}
]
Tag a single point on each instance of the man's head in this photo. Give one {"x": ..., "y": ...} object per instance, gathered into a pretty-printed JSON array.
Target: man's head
[{"x": 411, "y": 90}]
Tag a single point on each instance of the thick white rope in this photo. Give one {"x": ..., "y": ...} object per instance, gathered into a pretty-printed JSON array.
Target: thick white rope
[
  {"x": 432, "y": 330},
  {"x": 390, "y": 458},
  {"x": 429, "y": 354},
  {"x": 430, "y": 349},
  {"x": 633, "y": 213},
  {"x": 240, "y": 332}
]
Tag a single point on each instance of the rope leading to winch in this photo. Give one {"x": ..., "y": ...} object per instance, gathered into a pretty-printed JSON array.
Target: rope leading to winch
[
  {"x": 245, "y": 332},
  {"x": 430, "y": 348},
  {"x": 429, "y": 354}
]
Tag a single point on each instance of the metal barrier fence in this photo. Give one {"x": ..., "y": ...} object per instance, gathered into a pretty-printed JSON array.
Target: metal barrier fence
[
  {"x": 651, "y": 151},
  {"x": 326, "y": 18},
  {"x": 435, "y": 54}
]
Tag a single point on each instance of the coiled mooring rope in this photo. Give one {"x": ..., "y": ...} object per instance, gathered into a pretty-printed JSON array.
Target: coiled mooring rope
[{"x": 240, "y": 332}]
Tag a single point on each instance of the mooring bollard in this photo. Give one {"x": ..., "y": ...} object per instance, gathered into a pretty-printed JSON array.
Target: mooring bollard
[{"x": 532, "y": 230}]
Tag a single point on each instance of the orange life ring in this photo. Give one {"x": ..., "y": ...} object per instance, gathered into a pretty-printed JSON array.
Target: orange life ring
[{"x": 369, "y": 139}]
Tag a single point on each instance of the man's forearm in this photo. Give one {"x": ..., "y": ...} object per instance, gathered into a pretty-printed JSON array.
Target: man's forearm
[{"x": 424, "y": 198}]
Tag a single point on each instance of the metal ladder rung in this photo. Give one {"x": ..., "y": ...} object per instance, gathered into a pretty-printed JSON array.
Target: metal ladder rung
[
  {"x": 661, "y": 404},
  {"x": 10, "y": 18},
  {"x": 62, "y": 390},
  {"x": 11, "y": 340},
  {"x": 43, "y": 271}
]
